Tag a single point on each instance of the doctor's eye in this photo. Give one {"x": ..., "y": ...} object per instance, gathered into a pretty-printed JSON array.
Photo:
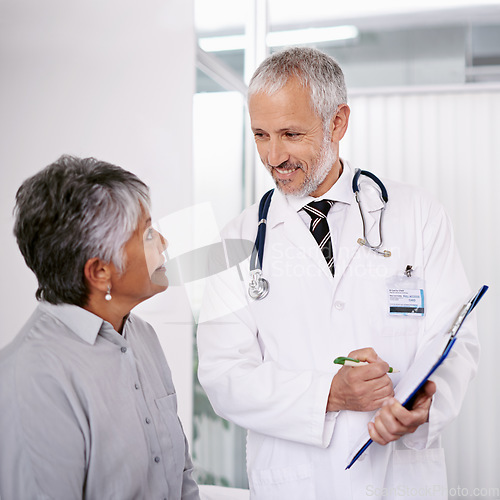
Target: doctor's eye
[
  {"x": 259, "y": 135},
  {"x": 293, "y": 135}
]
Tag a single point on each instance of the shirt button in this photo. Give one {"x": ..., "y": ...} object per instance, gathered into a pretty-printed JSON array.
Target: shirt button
[
  {"x": 137, "y": 386},
  {"x": 124, "y": 350},
  {"x": 148, "y": 420},
  {"x": 157, "y": 459},
  {"x": 339, "y": 305}
]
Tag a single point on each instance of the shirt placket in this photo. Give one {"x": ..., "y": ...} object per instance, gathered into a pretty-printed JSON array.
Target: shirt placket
[{"x": 137, "y": 385}]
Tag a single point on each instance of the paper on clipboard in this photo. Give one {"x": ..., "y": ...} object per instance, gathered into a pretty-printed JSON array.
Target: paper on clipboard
[{"x": 422, "y": 368}]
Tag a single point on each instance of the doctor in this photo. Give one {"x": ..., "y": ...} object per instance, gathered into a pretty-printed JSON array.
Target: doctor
[{"x": 267, "y": 365}]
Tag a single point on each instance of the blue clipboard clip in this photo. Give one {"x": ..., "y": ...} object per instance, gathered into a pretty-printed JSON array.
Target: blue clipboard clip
[{"x": 462, "y": 315}]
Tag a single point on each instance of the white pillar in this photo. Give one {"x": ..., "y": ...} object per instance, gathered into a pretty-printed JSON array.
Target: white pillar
[
  {"x": 256, "y": 51},
  {"x": 113, "y": 80}
]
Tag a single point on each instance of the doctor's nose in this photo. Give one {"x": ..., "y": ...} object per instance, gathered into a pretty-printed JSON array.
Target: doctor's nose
[{"x": 276, "y": 154}]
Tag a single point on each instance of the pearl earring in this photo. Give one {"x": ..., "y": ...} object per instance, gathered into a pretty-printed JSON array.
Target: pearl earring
[{"x": 108, "y": 295}]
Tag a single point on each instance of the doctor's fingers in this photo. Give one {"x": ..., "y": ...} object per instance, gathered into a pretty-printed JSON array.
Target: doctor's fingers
[
  {"x": 370, "y": 395},
  {"x": 386, "y": 427},
  {"x": 350, "y": 390},
  {"x": 379, "y": 434},
  {"x": 366, "y": 354},
  {"x": 371, "y": 371},
  {"x": 394, "y": 421},
  {"x": 381, "y": 394},
  {"x": 366, "y": 377},
  {"x": 424, "y": 395}
]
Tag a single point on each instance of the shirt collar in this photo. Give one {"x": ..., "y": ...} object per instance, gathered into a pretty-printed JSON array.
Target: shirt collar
[
  {"x": 341, "y": 191},
  {"x": 83, "y": 323}
]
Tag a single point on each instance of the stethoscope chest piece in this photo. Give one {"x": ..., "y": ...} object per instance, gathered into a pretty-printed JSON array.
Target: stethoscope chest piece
[{"x": 258, "y": 287}]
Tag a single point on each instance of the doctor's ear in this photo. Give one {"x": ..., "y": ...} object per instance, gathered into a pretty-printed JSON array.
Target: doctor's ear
[{"x": 340, "y": 120}]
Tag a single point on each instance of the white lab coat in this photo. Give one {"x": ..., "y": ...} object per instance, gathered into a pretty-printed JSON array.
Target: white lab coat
[{"x": 267, "y": 365}]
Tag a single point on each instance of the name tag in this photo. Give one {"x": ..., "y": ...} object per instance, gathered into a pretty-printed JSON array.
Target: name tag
[
  {"x": 405, "y": 294},
  {"x": 406, "y": 301}
]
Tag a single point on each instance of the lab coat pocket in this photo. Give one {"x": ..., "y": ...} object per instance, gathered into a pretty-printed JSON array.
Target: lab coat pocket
[
  {"x": 402, "y": 326},
  {"x": 293, "y": 483},
  {"x": 420, "y": 473},
  {"x": 169, "y": 429}
]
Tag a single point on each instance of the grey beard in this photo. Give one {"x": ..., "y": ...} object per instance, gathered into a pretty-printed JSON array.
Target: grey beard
[{"x": 320, "y": 170}]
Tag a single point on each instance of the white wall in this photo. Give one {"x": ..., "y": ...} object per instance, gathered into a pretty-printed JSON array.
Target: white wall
[
  {"x": 446, "y": 140},
  {"x": 109, "y": 79}
]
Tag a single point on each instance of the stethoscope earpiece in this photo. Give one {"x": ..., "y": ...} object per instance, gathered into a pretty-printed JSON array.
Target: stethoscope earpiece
[{"x": 363, "y": 243}]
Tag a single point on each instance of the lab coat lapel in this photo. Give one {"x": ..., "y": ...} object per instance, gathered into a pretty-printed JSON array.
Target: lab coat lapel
[
  {"x": 297, "y": 233},
  {"x": 352, "y": 230}
]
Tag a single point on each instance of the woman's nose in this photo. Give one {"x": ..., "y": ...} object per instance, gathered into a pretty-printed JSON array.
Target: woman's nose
[{"x": 162, "y": 242}]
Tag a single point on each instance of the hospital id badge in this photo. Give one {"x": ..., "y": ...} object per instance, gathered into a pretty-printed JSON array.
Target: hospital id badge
[{"x": 406, "y": 294}]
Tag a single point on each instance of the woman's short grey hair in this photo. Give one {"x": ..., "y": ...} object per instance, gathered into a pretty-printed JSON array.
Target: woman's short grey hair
[
  {"x": 313, "y": 69},
  {"x": 74, "y": 210}
]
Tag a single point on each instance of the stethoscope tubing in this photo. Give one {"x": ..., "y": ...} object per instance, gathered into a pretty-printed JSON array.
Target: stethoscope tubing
[
  {"x": 259, "y": 287},
  {"x": 257, "y": 256},
  {"x": 374, "y": 178}
]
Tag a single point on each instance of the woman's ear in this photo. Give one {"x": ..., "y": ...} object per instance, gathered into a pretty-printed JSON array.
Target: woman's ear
[{"x": 98, "y": 274}]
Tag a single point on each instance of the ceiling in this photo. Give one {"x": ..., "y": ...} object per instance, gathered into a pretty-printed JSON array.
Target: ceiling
[
  {"x": 401, "y": 42},
  {"x": 383, "y": 14}
]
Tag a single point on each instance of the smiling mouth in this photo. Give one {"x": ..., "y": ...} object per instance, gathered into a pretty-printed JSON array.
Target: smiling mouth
[{"x": 285, "y": 168}]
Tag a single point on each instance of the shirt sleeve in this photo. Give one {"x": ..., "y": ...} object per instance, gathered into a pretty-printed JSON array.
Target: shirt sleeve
[{"x": 190, "y": 489}]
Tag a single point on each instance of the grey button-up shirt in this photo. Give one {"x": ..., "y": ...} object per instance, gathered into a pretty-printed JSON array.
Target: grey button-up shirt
[{"x": 87, "y": 413}]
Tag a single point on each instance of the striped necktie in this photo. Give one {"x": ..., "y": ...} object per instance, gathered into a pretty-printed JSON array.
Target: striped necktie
[{"x": 320, "y": 230}]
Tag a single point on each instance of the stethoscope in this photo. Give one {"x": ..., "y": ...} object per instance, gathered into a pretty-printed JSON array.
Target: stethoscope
[
  {"x": 258, "y": 287},
  {"x": 384, "y": 198}
]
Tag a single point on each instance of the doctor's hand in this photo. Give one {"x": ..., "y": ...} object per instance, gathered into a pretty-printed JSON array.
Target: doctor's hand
[
  {"x": 361, "y": 388},
  {"x": 394, "y": 421}
]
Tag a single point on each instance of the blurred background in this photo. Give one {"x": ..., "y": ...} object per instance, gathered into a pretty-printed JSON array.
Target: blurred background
[{"x": 158, "y": 88}]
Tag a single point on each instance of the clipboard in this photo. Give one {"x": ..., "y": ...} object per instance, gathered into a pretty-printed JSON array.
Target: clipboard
[{"x": 422, "y": 369}]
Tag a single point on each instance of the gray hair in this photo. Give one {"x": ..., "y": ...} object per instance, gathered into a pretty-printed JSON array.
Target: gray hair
[
  {"x": 313, "y": 69},
  {"x": 74, "y": 210}
]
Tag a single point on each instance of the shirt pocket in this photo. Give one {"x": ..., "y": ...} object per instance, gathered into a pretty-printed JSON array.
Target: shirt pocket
[
  {"x": 171, "y": 434},
  {"x": 294, "y": 482}
]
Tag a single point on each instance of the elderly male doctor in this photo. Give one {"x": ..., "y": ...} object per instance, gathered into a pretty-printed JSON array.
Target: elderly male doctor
[{"x": 267, "y": 365}]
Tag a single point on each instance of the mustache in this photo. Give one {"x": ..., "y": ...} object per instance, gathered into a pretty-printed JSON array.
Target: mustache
[{"x": 286, "y": 164}]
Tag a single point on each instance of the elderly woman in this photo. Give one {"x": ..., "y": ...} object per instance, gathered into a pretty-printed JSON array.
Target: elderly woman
[{"x": 88, "y": 408}]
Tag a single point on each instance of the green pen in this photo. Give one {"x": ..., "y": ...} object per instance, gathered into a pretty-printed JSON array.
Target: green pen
[{"x": 342, "y": 360}]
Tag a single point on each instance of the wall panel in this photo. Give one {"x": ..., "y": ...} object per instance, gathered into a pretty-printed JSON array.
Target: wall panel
[
  {"x": 113, "y": 80},
  {"x": 447, "y": 141}
]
